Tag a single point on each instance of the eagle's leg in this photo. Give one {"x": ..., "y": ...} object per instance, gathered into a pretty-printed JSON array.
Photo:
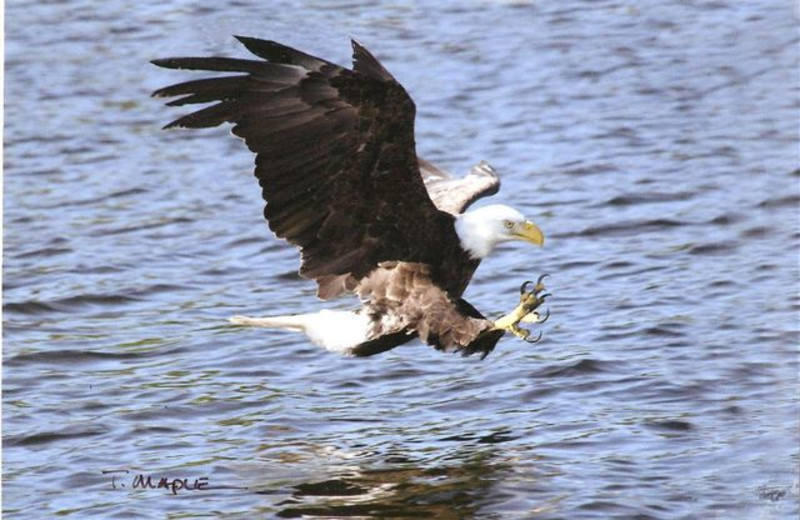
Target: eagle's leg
[{"x": 525, "y": 312}]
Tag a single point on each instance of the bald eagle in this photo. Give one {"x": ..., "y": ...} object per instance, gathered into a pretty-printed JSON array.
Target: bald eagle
[{"x": 338, "y": 169}]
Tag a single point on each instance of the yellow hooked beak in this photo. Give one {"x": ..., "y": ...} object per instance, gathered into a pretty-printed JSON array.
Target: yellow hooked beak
[{"x": 530, "y": 232}]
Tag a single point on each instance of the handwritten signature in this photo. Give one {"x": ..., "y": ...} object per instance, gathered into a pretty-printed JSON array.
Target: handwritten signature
[{"x": 121, "y": 479}]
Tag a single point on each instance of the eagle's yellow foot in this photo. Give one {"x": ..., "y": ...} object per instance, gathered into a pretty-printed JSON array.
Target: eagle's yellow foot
[{"x": 525, "y": 312}]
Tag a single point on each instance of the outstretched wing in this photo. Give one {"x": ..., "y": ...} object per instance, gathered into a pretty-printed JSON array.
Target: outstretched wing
[
  {"x": 336, "y": 158},
  {"x": 456, "y": 195}
]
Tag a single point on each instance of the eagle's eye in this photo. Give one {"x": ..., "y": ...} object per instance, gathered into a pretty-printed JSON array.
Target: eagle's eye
[{"x": 508, "y": 224}]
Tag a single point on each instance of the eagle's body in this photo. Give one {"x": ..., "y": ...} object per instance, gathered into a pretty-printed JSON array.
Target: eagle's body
[{"x": 338, "y": 169}]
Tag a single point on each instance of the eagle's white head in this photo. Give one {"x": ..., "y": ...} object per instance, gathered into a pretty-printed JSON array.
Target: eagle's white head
[{"x": 481, "y": 229}]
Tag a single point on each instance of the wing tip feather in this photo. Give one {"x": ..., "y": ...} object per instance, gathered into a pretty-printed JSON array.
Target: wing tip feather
[
  {"x": 366, "y": 63},
  {"x": 167, "y": 63}
]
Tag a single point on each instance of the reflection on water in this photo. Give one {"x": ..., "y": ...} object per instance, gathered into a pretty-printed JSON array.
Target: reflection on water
[
  {"x": 457, "y": 487},
  {"x": 656, "y": 145}
]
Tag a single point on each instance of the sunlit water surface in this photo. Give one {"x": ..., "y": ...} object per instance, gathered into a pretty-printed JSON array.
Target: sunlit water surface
[{"x": 656, "y": 144}]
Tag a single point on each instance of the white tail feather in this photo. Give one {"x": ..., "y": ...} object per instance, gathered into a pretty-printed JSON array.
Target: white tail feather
[
  {"x": 291, "y": 322},
  {"x": 338, "y": 331}
]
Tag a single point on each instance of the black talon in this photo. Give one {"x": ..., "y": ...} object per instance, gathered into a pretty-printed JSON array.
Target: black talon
[
  {"x": 539, "y": 281},
  {"x": 542, "y": 297},
  {"x": 546, "y": 316},
  {"x": 534, "y": 340},
  {"x": 524, "y": 286}
]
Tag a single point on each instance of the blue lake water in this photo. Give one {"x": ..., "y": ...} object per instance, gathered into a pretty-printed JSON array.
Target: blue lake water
[{"x": 656, "y": 143}]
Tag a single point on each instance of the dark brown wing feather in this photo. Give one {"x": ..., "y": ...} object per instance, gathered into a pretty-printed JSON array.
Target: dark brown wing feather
[{"x": 335, "y": 149}]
